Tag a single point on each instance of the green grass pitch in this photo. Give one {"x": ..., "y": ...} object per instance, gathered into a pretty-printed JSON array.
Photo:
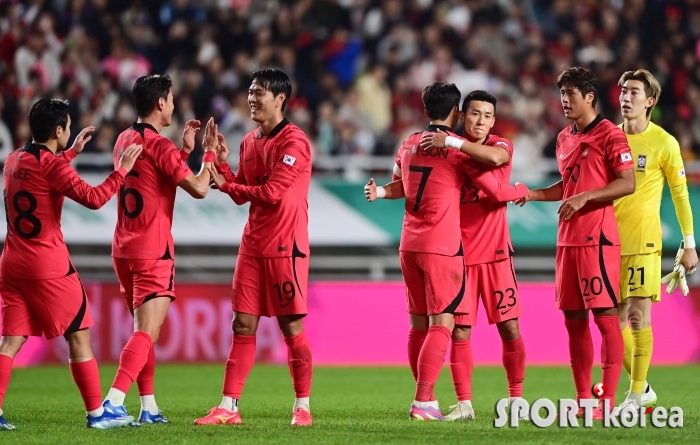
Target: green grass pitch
[{"x": 350, "y": 405}]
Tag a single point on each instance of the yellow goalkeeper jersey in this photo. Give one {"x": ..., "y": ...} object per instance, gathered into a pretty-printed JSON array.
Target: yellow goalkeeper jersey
[{"x": 657, "y": 158}]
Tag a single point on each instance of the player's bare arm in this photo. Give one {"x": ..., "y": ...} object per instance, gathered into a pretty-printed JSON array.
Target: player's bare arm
[
  {"x": 83, "y": 138},
  {"x": 494, "y": 156},
  {"x": 198, "y": 186},
  {"x": 392, "y": 190},
  {"x": 554, "y": 192},
  {"x": 622, "y": 185}
]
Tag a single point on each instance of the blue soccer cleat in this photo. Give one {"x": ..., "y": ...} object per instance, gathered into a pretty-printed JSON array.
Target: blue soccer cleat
[
  {"x": 118, "y": 410},
  {"x": 108, "y": 421},
  {"x": 5, "y": 425},
  {"x": 147, "y": 417}
]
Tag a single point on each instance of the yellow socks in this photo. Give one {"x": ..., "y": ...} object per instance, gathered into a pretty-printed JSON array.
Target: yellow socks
[
  {"x": 641, "y": 358},
  {"x": 629, "y": 346}
]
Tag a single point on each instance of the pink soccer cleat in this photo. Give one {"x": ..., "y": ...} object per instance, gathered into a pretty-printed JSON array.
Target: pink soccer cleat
[
  {"x": 301, "y": 417},
  {"x": 220, "y": 416},
  {"x": 430, "y": 413}
]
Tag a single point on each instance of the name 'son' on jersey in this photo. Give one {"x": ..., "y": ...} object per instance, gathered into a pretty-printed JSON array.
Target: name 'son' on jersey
[{"x": 626, "y": 418}]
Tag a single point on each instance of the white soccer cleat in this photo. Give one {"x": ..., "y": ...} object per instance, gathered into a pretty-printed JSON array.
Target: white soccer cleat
[
  {"x": 649, "y": 397},
  {"x": 626, "y": 408},
  {"x": 461, "y": 411}
]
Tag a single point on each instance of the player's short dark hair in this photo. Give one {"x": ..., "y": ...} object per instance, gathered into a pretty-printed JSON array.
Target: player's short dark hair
[
  {"x": 581, "y": 78},
  {"x": 439, "y": 98},
  {"x": 147, "y": 90},
  {"x": 274, "y": 81},
  {"x": 45, "y": 116},
  {"x": 479, "y": 96}
]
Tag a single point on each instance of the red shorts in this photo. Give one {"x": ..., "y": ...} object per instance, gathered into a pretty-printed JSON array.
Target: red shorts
[
  {"x": 587, "y": 277},
  {"x": 144, "y": 280},
  {"x": 434, "y": 283},
  {"x": 270, "y": 287},
  {"x": 53, "y": 307},
  {"x": 497, "y": 287}
]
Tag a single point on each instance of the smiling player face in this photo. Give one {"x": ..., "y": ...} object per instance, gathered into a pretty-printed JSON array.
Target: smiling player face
[
  {"x": 633, "y": 100},
  {"x": 263, "y": 104},
  {"x": 573, "y": 102}
]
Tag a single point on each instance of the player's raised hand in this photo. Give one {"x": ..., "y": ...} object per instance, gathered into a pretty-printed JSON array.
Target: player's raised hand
[
  {"x": 210, "y": 141},
  {"x": 82, "y": 139},
  {"x": 129, "y": 156},
  {"x": 371, "y": 190},
  {"x": 222, "y": 154},
  {"x": 571, "y": 205},
  {"x": 217, "y": 179},
  {"x": 433, "y": 140},
  {"x": 192, "y": 126}
]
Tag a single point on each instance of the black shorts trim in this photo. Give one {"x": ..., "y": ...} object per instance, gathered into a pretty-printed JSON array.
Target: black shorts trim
[
  {"x": 452, "y": 307},
  {"x": 296, "y": 253},
  {"x": 603, "y": 272},
  {"x": 511, "y": 254},
  {"x": 78, "y": 320}
]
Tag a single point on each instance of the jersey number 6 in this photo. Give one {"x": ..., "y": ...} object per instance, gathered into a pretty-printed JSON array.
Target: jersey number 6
[{"x": 138, "y": 199}]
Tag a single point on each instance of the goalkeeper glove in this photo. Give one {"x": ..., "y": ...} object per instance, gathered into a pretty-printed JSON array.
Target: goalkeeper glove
[{"x": 677, "y": 277}]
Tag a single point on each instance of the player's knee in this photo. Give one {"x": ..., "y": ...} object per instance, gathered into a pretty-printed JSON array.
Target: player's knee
[
  {"x": 508, "y": 330},
  {"x": 243, "y": 326},
  {"x": 637, "y": 319},
  {"x": 460, "y": 333},
  {"x": 11, "y": 344},
  {"x": 291, "y": 326}
]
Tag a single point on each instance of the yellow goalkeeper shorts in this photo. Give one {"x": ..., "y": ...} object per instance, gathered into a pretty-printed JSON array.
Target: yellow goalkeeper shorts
[{"x": 640, "y": 276}]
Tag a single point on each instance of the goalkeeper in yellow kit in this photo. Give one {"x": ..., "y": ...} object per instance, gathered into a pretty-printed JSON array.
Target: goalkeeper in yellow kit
[{"x": 657, "y": 159}]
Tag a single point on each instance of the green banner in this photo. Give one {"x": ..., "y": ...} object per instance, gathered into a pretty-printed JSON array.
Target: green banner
[{"x": 531, "y": 226}]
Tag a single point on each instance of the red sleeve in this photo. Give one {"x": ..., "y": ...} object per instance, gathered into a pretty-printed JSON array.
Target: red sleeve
[
  {"x": 293, "y": 158},
  {"x": 617, "y": 151},
  {"x": 491, "y": 186},
  {"x": 69, "y": 154},
  {"x": 184, "y": 154},
  {"x": 63, "y": 179},
  {"x": 169, "y": 162},
  {"x": 225, "y": 169},
  {"x": 503, "y": 143}
]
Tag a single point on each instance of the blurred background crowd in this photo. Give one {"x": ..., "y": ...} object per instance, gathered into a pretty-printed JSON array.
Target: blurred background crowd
[{"x": 358, "y": 66}]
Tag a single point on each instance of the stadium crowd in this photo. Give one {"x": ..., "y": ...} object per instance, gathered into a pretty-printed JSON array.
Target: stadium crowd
[{"x": 358, "y": 66}]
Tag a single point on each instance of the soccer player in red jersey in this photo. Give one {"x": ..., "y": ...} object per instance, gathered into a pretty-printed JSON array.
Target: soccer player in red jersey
[
  {"x": 431, "y": 250},
  {"x": 595, "y": 163},
  {"x": 143, "y": 250},
  {"x": 40, "y": 288},
  {"x": 272, "y": 269},
  {"x": 488, "y": 253}
]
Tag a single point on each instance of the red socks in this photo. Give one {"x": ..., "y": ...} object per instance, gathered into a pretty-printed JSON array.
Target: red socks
[
  {"x": 514, "y": 363},
  {"x": 241, "y": 358},
  {"x": 581, "y": 353},
  {"x": 147, "y": 374},
  {"x": 5, "y": 373},
  {"x": 87, "y": 378},
  {"x": 299, "y": 361},
  {"x": 430, "y": 360},
  {"x": 416, "y": 339},
  {"x": 132, "y": 359},
  {"x": 611, "y": 354},
  {"x": 461, "y": 367}
]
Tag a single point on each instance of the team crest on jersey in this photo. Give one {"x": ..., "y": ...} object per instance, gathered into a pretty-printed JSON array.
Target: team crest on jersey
[
  {"x": 584, "y": 155},
  {"x": 641, "y": 162}
]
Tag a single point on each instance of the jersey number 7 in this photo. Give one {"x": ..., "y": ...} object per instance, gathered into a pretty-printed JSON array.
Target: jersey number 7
[{"x": 425, "y": 173}]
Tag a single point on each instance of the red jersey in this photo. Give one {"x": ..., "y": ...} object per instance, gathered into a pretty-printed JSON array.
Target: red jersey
[
  {"x": 432, "y": 180},
  {"x": 274, "y": 173},
  {"x": 35, "y": 182},
  {"x": 484, "y": 224},
  {"x": 588, "y": 160},
  {"x": 147, "y": 199}
]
